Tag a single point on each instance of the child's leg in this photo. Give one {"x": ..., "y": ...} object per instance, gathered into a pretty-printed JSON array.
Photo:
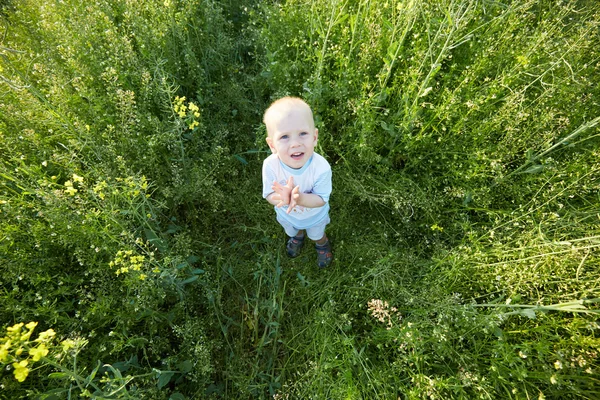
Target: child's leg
[
  {"x": 322, "y": 241},
  {"x": 296, "y": 238},
  {"x": 289, "y": 228},
  {"x": 294, "y": 244},
  {"x": 324, "y": 253}
]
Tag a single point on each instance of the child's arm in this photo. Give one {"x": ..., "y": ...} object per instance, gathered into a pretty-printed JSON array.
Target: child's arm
[
  {"x": 309, "y": 200},
  {"x": 319, "y": 196},
  {"x": 274, "y": 199},
  {"x": 290, "y": 195}
]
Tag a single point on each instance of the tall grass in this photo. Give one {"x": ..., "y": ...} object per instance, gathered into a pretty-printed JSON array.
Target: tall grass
[{"x": 463, "y": 138}]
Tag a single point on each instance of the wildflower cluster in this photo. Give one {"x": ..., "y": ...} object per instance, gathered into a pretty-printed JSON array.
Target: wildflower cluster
[
  {"x": 126, "y": 261},
  {"x": 130, "y": 187},
  {"x": 381, "y": 311},
  {"x": 17, "y": 348},
  {"x": 100, "y": 188},
  {"x": 69, "y": 187},
  {"x": 436, "y": 227},
  {"x": 189, "y": 113}
]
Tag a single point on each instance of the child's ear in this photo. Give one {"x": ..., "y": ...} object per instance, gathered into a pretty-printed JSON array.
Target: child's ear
[
  {"x": 316, "y": 135},
  {"x": 270, "y": 143}
]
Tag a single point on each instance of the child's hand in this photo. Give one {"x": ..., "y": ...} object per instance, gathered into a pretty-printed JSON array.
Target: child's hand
[
  {"x": 283, "y": 194},
  {"x": 294, "y": 196}
]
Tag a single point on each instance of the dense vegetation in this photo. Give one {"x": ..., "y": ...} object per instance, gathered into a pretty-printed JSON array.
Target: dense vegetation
[{"x": 138, "y": 259}]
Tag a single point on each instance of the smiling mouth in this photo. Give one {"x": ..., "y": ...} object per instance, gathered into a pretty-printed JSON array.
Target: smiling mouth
[{"x": 297, "y": 156}]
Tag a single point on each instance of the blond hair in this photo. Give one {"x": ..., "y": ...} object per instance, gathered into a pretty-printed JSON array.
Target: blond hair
[{"x": 280, "y": 108}]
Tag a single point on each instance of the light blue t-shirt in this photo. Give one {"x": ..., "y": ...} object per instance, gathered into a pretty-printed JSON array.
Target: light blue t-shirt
[{"x": 314, "y": 177}]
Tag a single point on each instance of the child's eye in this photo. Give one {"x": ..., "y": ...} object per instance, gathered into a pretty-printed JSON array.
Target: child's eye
[
  {"x": 303, "y": 133},
  {"x": 283, "y": 137}
]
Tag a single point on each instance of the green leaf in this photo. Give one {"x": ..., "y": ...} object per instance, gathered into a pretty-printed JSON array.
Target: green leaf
[
  {"x": 155, "y": 240},
  {"x": 530, "y": 155},
  {"x": 91, "y": 376},
  {"x": 498, "y": 333},
  {"x": 50, "y": 394},
  {"x": 58, "y": 375},
  {"x": 534, "y": 169},
  {"x": 302, "y": 279},
  {"x": 190, "y": 280},
  {"x": 198, "y": 271},
  {"x": 241, "y": 159},
  {"x": 193, "y": 259},
  {"x": 177, "y": 396},
  {"x": 164, "y": 378},
  {"x": 529, "y": 313},
  {"x": 185, "y": 366},
  {"x": 468, "y": 199},
  {"x": 173, "y": 229},
  {"x": 116, "y": 372}
]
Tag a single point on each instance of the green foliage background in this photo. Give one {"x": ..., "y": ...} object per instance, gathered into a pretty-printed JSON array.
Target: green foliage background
[{"x": 463, "y": 137}]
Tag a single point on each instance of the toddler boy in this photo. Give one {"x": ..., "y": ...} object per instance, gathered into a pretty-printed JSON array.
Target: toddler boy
[{"x": 296, "y": 180}]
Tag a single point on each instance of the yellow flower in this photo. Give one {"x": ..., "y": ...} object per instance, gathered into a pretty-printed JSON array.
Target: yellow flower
[
  {"x": 46, "y": 336},
  {"x": 21, "y": 371},
  {"x": 193, "y": 107},
  {"x": 436, "y": 227},
  {"x": 523, "y": 60},
  {"x": 558, "y": 364},
  {"x": 30, "y": 327},
  {"x": 4, "y": 351},
  {"x": 77, "y": 178},
  {"x": 522, "y": 355},
  {"x": 143, "y": 277},
  {"x": 541, "y": 396},
  {"x": 69, "y": 188},
  {"x": 68, "y": 344},
  {"x": 194, "y": 124},
  {"x": 38, "y": 352},
  {"x": 15, "y": 330}
]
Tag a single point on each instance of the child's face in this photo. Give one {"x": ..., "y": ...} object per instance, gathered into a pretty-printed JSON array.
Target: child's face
[{"x": 293, "y": 138}]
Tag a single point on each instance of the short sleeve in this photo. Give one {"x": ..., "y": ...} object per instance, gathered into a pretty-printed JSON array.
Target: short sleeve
[
  {"x": 268, "y": 177},
  {"x": 322, "y": 186}
]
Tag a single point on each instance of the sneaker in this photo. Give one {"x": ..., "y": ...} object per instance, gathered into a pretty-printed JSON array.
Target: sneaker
[
  {"x": 324, "y": 254},
  {"x": 294, "y": 245}
]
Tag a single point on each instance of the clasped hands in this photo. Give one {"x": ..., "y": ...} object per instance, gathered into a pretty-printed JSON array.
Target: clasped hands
[{"x": 287, "y": 195}]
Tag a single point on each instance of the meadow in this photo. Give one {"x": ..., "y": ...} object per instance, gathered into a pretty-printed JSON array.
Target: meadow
[{"x": 139, "y": 260}]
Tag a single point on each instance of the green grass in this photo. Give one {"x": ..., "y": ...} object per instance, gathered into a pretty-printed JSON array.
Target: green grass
[{"x": 463, "y": 137}]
